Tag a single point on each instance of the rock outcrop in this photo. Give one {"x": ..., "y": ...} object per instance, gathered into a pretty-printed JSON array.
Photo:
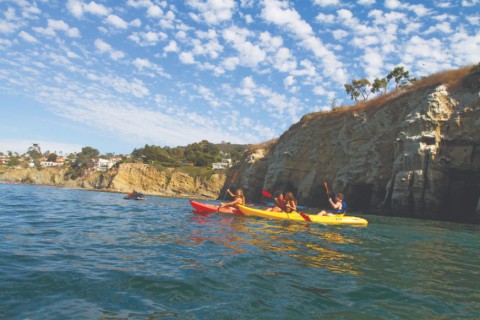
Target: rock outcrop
[
  {"x": 414, "y": 152},
  {"x": 130, "y": 176}
]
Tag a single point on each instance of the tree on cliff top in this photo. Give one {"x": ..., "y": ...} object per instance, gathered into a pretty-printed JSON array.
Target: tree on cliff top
[
  {"x": 357, "y": 88},
  {"x": 35, "y": 153},
  {"x": 401, "y": 77},
  {"x": 363, "y": 87}
]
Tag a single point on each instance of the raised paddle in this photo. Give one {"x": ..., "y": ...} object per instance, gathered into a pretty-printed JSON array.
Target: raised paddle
[
  {"x": 326, "y": 188},
  {"x": 267, "y": 194}
]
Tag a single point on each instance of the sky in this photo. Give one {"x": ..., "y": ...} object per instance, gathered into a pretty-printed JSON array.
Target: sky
[{"x": 116, "y": 75}]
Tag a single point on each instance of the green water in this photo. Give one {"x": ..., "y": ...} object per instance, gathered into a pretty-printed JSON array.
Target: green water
[{"x": 69, "y": 254}]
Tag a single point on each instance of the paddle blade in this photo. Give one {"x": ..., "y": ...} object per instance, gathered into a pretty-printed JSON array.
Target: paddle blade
[
  {"x": 266, "y": 194},
  {"x": 305, "y": 216},
  {"x": 326, "y": 187}
]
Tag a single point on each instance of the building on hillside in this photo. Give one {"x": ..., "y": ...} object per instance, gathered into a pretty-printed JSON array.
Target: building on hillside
[
  {"x": 224, "y": 164},
  {"x": 4, "y": 159},
  {"x": 104, "y": 164},
  {"x": 50, "y": 164}
]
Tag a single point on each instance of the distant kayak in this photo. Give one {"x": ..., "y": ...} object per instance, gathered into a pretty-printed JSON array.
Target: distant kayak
[
  {"x": 206, "y": 207},
  {"x": 138, "y": 196},
  {"x": 337, "y": 220}
]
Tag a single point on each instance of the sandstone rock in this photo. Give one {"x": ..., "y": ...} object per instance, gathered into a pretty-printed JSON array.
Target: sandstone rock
[{"x": 415, "y": 154}]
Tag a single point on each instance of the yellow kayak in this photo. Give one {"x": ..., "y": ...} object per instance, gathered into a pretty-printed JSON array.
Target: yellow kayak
[{"x": 338, "y": 219}]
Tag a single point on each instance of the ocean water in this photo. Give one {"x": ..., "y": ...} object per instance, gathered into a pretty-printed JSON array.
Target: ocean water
[{"x": 72, "y": 254}]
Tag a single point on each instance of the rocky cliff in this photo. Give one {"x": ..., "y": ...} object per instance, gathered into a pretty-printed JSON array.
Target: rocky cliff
[
  {"x": 128, "y": 177},
  {"x": 414, "y": 152}
]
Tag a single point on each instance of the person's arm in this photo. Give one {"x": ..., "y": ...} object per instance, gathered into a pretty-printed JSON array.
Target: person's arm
[
  {"x": 232, "y": 203},
  {"x": 292, "y": 205},
  {"x": 230, "y": 193},
  {"x": 335, "y": 206}
]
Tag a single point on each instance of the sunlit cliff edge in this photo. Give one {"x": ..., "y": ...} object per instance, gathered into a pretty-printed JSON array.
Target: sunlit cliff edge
[
  {"x": 127, "y": 177},
  {"x": 413, "y": 152}
]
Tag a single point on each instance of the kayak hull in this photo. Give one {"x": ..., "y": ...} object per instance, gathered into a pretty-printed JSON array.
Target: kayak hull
[
  {"x": 335, "y": 220},
  {"x": 206, "y": 207}
]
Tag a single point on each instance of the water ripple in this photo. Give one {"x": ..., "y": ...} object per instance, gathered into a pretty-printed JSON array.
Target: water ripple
[{"x": 72, "y": 254}]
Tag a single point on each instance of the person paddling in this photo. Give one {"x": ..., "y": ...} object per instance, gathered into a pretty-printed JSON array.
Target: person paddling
[
  {"x": 291, "y": 203},
  {"x": 339, "y": 206},
  {"x": 280, "y": 203},
  {"x": 238, "y": 196}
]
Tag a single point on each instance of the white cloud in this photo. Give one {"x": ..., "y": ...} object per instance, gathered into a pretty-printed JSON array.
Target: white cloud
[
  {"x": 284, "y": 61},
  {"x": 325, "y": 18},
  {"x": 326, "y": 3},
  {"x": 443, "y": 27},
  {"x": 250, "y": 55},
  {"x": 96, "y": 9},
  {"x": 116, "y": 21},
  {"x": 289, "y": 81},
  {"x": 419, "y": 9},
  {"x": 366, "y": 2},
  {"x": 27, "y": 37},
  {"x": 213, "y": 11},
  {"x": 280, "y": 14},
  {"x": 154, "y": 12},
  {"x": 149, "y": 38},
  {"x": 373, "y": 63},
  {"x": 231, "y": 63},
  {"x": 339, "y": 34},
  {"x": 77, "y": 8},
  {"x": 171, "y": 47},
  {"x": 147, "y": 65},
  {"x": 57, "y": 25},
  {"x": 470, "y": 3},
  {"x": 104, "y": 47},
  {"x": 186, "y": 58}
]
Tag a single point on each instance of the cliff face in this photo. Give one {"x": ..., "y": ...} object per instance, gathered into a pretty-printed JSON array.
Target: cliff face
[
  {"x": 416, "y": 154},
  {"x": 128, "y": 177}
]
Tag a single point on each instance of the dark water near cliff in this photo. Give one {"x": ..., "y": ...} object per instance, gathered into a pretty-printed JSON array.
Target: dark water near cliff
[{"x": 70, "y": 254}]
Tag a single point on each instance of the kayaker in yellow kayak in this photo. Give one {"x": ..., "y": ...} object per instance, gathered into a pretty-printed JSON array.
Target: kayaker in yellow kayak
[
  {"x": 238, "y": 196},
  {"x": 291, "y": 204},
  {"x": 339, "y": 206},
  {"x": 280, "y": 203}
]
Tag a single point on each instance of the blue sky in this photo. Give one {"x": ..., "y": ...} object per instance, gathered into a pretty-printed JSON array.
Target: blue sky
[{"x": 116, "y": 75}]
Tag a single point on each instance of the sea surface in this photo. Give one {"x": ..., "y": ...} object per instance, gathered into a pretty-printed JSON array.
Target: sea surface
[{"x": 73, "y": 254}]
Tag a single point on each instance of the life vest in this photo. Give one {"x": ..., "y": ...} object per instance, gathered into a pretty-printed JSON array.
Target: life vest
[
  {"x": 282, "y": 204},
  {"x": 344, "y": 208}
]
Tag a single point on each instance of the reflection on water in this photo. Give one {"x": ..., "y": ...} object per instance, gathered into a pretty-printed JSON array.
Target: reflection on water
[{"x": 239, "y": 234}]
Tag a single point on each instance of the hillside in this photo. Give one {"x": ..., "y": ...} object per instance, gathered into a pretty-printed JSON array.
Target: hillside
[{"x": 130, "y": 176}]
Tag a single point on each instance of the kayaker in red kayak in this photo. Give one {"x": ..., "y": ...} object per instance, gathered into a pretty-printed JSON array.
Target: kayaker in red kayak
[
  {"x": 238, "y": 196},
  {"x": 339, "y": 206}
]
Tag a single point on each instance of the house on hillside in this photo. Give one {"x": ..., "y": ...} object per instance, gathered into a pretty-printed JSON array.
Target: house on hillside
[
  {"x": 224, "y": 164},
  {"x": 50, "y": 164},
  {"x": 104, "y": 164},
  {"x": 4, "y": 159}
]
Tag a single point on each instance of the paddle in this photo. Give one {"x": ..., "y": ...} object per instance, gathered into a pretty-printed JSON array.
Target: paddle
[
  {"x": 326, "y": 188},
  {"x": 234, "y": 176},
  {"x": 267, "y": 194},
  {"x": 231, "y": 182}
]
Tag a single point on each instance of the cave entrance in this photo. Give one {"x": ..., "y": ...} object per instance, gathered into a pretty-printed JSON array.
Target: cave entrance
[
  {"x": 359, "y": 196},
  {"x": 462, "y": 196}
]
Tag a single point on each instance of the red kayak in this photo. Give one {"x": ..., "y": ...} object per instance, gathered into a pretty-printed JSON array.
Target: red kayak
[{"x": 206, "y": 207}]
